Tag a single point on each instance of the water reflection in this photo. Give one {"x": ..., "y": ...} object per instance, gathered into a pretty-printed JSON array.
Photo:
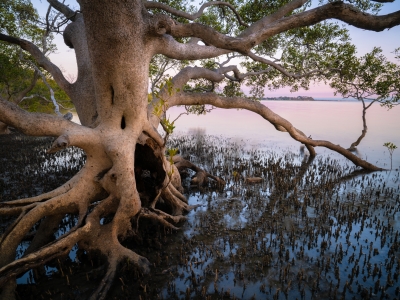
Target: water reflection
[{"x": 311, "y": 229}]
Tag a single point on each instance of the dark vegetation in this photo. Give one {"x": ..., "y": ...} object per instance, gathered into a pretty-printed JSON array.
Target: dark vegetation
[{"x": 312, "y": 229}]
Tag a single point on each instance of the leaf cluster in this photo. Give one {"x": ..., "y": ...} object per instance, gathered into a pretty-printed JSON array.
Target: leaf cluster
[{"x": 371, "y": 76}]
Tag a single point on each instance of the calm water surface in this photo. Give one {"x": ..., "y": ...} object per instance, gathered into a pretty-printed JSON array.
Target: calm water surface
[{"x": 337, "y": 122}]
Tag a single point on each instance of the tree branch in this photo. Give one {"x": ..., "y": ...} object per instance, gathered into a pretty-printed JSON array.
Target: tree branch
[
  {"x": 39, "y": 124},
  {"x": 192, "y": 17},
  {"x": 64, "y": 9},
  {"x": 238, "y": 76},
  {"x": 42, "y": 60},
  {"x": 276, "y": 120},
  {"x": 52, "y": 97},
  {"x": 189, "y": 51},
  {"x": 248, "y": 39},
  {"x": 280, "y": 13},
  {"x": 281, "y": 124}
]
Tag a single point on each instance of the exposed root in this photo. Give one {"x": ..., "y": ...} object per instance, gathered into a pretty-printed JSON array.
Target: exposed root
[
  {"x": 114, "y": 181},
  {"x": 64, "y": 203},
  {"x": 21, "y": 211},
  {"x": 201, "y": 176},
  {"x": 74, "y": 201},
  {"x": 101, "y": 292},
  {"x": 177, "y": 206},
  {"x": 59, "y": 248},
  {"x": 147, "y": 213},
  {"x": 45, "y": 233},
  {"x": 177, "y": 193},
  {"x": 8, "y": 290},
  {"x": 46, "y": 196},
  {"x": 162, "y": 217}
]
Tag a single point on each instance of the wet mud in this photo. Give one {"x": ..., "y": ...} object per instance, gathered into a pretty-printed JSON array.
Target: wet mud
[{"x": 312, "y": 229}]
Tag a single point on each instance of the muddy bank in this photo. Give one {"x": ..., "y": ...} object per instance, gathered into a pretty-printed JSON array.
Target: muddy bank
[{"x": 310, "y": 229}]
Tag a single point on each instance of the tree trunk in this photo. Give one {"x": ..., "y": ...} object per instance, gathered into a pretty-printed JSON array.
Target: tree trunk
[
  {"x": 353, "y": 146},
  {"x": 118, "y": 47}
]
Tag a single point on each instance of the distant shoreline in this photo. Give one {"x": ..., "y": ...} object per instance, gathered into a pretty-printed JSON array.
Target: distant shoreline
[
  {"x": 320, "y": 100},
  {"x": 286, "y": 98}
]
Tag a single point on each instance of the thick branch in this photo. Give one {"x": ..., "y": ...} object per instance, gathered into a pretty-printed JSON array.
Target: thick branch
[
  {"x": 244, "y": 42},
  {"x": 62, "y": 8},
  {"x": 280, "y": 13},
  {"x": 52, "y": 97},
  {"x": 276, "y": 120},
  {"x": 190, "y": 51},
  {"x": 36, "y": 124},
  {"x": 40, "y": 124},
  {"x": 192, "y": 17}
]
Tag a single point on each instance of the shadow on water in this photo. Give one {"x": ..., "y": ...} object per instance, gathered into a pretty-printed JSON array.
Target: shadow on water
[{"x": 311, "y": 229}]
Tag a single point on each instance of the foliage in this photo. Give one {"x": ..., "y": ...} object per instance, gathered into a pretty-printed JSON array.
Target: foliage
[
  {"x": 369, "y": 77},
  {"x": 160, "y": 107},
  {"x": 391, "y": 147},
  {"x": 160, "y": 70},
  {"x": 40, "y": 101},
  {"x": 18, "y": 83},
  {"x": 20, "y": 18},
  {"x": 308, "y": 54}
]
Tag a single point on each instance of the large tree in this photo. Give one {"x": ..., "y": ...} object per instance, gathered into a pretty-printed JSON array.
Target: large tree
[{"x": 279, "y": 42}]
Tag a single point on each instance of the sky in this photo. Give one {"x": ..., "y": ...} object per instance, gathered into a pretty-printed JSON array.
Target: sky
[{"x": 365, "y": 40}]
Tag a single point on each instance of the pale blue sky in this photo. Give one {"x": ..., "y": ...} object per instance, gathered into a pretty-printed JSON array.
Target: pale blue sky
[{"x": 365, "y": 40}]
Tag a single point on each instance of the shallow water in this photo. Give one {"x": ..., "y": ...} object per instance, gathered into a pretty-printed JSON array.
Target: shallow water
[
  {"x": 311, "y": 229},
  {"x": 339, "y": 239}
]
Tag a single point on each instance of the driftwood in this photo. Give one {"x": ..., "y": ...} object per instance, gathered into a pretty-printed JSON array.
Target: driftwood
[{"x": 253, "y": 180}]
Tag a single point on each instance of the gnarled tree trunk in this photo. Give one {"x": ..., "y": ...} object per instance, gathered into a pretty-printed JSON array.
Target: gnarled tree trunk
[{"x": 110, "y": 95}]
